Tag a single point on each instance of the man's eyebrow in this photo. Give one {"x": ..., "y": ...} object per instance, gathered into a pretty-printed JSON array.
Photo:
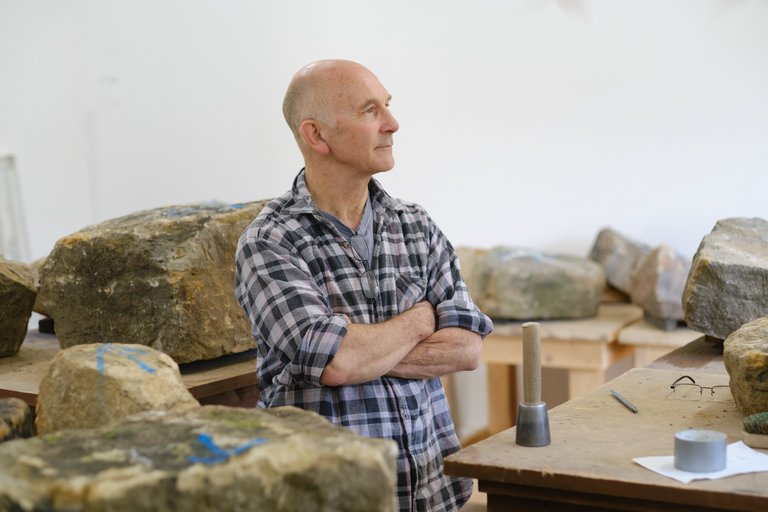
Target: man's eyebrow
[{"x": 373, "y": 101}]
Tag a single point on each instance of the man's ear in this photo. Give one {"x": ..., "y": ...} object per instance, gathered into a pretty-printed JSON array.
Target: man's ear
[{"x": 312, "y": 136}]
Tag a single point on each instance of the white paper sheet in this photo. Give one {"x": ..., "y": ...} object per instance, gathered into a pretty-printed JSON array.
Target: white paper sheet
[{"x": 740, "y": 458}]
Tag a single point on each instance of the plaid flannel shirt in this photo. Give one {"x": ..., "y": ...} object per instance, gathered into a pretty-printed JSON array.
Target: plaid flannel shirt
[{"x": 297, "y": 277}]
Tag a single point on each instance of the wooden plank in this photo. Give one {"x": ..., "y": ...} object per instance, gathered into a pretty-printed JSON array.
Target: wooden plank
[
  {"x": 645, "y": 333},
  {"x": 701, "y": 355},
  {"x": 502, "y": 397},
  {"x": 594, "y": 439},
  {"x": 604, "y": 327}
]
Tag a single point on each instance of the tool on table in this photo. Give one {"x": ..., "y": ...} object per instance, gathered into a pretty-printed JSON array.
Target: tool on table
[
  {"x": 532, "y": 419},
  {"x": 626, "y": 403}
]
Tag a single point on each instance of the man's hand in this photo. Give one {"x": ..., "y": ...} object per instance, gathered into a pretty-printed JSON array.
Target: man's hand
[
  {"x": 447, "y": 351},
  {"x": 369, "y": 351}
]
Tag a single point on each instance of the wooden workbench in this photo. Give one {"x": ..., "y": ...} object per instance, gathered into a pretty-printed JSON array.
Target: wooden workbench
[
  {"x": 585, "y": 347},
  {"x": 228, "y": 380},
  {"x": 589, "y": 464}
]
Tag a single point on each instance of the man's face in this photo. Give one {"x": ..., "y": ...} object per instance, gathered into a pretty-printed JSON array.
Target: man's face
[{"x": 362, "y": 136}]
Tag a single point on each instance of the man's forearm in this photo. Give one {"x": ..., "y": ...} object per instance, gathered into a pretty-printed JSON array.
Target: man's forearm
[
  {"x": 447, "y": 351},
  {"x": 369, "y": 351}
]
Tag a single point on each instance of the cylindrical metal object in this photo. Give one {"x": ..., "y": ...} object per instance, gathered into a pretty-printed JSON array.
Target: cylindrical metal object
[
  {"x": 532, "y": 425},
  {"x": 531, "y": 363},
  {"x": 700, "y": 451}
]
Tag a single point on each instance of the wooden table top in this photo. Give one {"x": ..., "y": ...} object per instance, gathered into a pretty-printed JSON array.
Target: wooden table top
[{"x": 594, "y": 439}]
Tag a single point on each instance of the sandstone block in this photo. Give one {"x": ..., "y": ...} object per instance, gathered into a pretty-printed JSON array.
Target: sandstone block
[
  {"x": 728, "y": 283},
  {"x": 15, "y": 419},
  {"x": 619, "y": 257},
  {"x": 93, "y": 385},
  {"x": 206, "y": 459},
  {"x": 521, "y": 284},
  {"x": 468, "y": 262},
  {"x": 17, "y": 295},
  {"x": 162, "y": 278},
  {"x": 658, "y": 282},
  {"x": 745, "y": 353}
]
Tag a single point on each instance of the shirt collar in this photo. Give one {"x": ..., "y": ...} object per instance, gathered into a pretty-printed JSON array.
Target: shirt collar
[{"x": 303, "y": 202}]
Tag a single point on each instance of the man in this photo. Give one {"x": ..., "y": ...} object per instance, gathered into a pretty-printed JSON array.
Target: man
[{"x": 355, "y": 297}]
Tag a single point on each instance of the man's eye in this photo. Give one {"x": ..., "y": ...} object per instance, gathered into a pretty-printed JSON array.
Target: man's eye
[{"x": 371, "y": 109}]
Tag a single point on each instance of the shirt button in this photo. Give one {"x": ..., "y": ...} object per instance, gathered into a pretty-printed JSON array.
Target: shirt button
[{"x": 345, "y": 245}]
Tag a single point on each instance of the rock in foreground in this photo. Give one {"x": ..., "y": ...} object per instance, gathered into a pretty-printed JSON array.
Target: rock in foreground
[
  {"x": 210, "y": 458},
  {"x": 728, "y": 283},
  {"x": 15, "y": 419},
  {"x": 93, "y": 385},
  {"x": 163, "y": 278},
  {"x": 17, "y": 296},
  {"x": 745, "y": 353}
]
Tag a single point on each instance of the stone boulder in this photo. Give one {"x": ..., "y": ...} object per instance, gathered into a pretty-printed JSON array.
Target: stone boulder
[
  {"x": 657, "y": 286},
  {"x": 619, "y": 257},
  {"x": 93, "y": 385},
  {"x": 728, "y": 283},
  {"x": 162, "y": 278},
  {"x": 38, "y": 307},
  {"x": 15, "y": 419},
  {"x": 205, "y": 459},
  {"x": 468, "y": 262},
  {"x": 17, "y": 295},
  {"x": 745, "y": 353},
  {"x": 521, "y": 284}
]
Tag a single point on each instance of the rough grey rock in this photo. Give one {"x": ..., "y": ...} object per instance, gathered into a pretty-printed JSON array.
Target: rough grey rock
[
  {"x": 728, "y": 283},
  {"x": 205, "y": 459},
  {"x": 93, "y": 385},
  {"x": 521, "y": 284},
  {"x": 745, "y": 353},
  {"x": 658, "y": 283},
  {"x": 15, "y": 419},
  {"x": 17, "y": 295},
  {"x": 163, "y": 278},
  {"x": 36, "y": 266},
  {"x": 468, "y": 262},
  {"x": 619, "y": 257}
]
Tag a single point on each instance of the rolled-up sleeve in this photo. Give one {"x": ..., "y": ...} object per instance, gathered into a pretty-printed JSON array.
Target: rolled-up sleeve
[
  {"x": 447, "y": 290},
  {"x": 287, "y": 310}
]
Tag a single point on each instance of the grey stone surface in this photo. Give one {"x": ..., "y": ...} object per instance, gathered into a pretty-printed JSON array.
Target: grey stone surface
[
  {"x": 97, "y": 384},
  {"x": 15, "y": 419},
  {"x": 17, "y": 295},
  {"x": 519, "y": 283},
  {"x": 163, "y": 278},
  {"x": 728, "y": 283},
  {"x": 36, "y": 266},
  {"x": 206, "y": 459},
  {"x": 619, "y": 257},
  {"x": 468, "y": 262},
  {"x": 745, "y": 353},
  {"x": 658, "y": 282}
]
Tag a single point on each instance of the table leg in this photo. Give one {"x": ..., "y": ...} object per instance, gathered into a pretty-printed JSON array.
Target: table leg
[{"x": 502, "y": 397}]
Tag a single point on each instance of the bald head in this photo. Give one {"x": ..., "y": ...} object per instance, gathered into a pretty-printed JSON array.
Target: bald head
[{"x": 312, "y": 91}]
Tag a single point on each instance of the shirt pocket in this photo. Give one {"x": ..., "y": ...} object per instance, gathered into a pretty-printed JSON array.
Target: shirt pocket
[{"x": 411, "y": 289}]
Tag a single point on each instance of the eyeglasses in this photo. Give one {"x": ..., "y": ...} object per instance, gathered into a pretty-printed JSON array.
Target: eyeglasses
[
  {"x": 368, "y": 278},
  {"x": 693, "y": 391}
]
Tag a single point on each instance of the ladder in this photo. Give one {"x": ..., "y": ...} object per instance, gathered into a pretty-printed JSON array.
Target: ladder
[{"x": 14, "y": 244}]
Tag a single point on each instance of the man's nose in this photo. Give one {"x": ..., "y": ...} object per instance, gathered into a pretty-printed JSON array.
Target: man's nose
[{"x": 390, "y": 124}]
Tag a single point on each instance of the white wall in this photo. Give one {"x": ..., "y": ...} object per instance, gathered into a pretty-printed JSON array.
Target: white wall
[{"x": 531, "y": 122}]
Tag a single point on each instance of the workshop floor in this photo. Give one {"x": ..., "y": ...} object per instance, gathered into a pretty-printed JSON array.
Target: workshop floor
[{"x": 477, "y": 503}]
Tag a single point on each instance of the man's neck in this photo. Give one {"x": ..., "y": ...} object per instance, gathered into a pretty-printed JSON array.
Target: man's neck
[{"x": 337, "y": 193}]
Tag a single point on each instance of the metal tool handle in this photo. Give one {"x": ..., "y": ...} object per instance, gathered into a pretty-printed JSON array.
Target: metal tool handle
[{"x": 531, "y": 363}]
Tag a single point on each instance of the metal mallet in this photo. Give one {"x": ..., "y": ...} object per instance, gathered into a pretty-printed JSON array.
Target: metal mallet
[{"x": 532, "y": 419}]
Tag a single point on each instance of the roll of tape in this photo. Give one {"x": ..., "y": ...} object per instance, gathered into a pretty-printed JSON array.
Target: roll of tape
[{"x": 700, "y": 451}]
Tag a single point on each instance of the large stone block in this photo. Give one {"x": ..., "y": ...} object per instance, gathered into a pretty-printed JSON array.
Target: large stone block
[
  {"x": 521, "y": 284},
  {"x": 657, "y": 285},
  {"x": 728, "y": 283},
  {"x": 17, "y": 296},
  {"x": 745, "y": 353},
  {"x": 97, "y": 384},
  {"x": 163, "y": 278},
  {"x": 468, "y": 262},
  {"x": 619, "y": 257},
  {"x": 15, "y": 419},
  {"x": 206, "y": 459}
]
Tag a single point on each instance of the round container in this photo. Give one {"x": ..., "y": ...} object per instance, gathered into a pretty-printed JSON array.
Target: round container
[{"x": 700, "y": 451}]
